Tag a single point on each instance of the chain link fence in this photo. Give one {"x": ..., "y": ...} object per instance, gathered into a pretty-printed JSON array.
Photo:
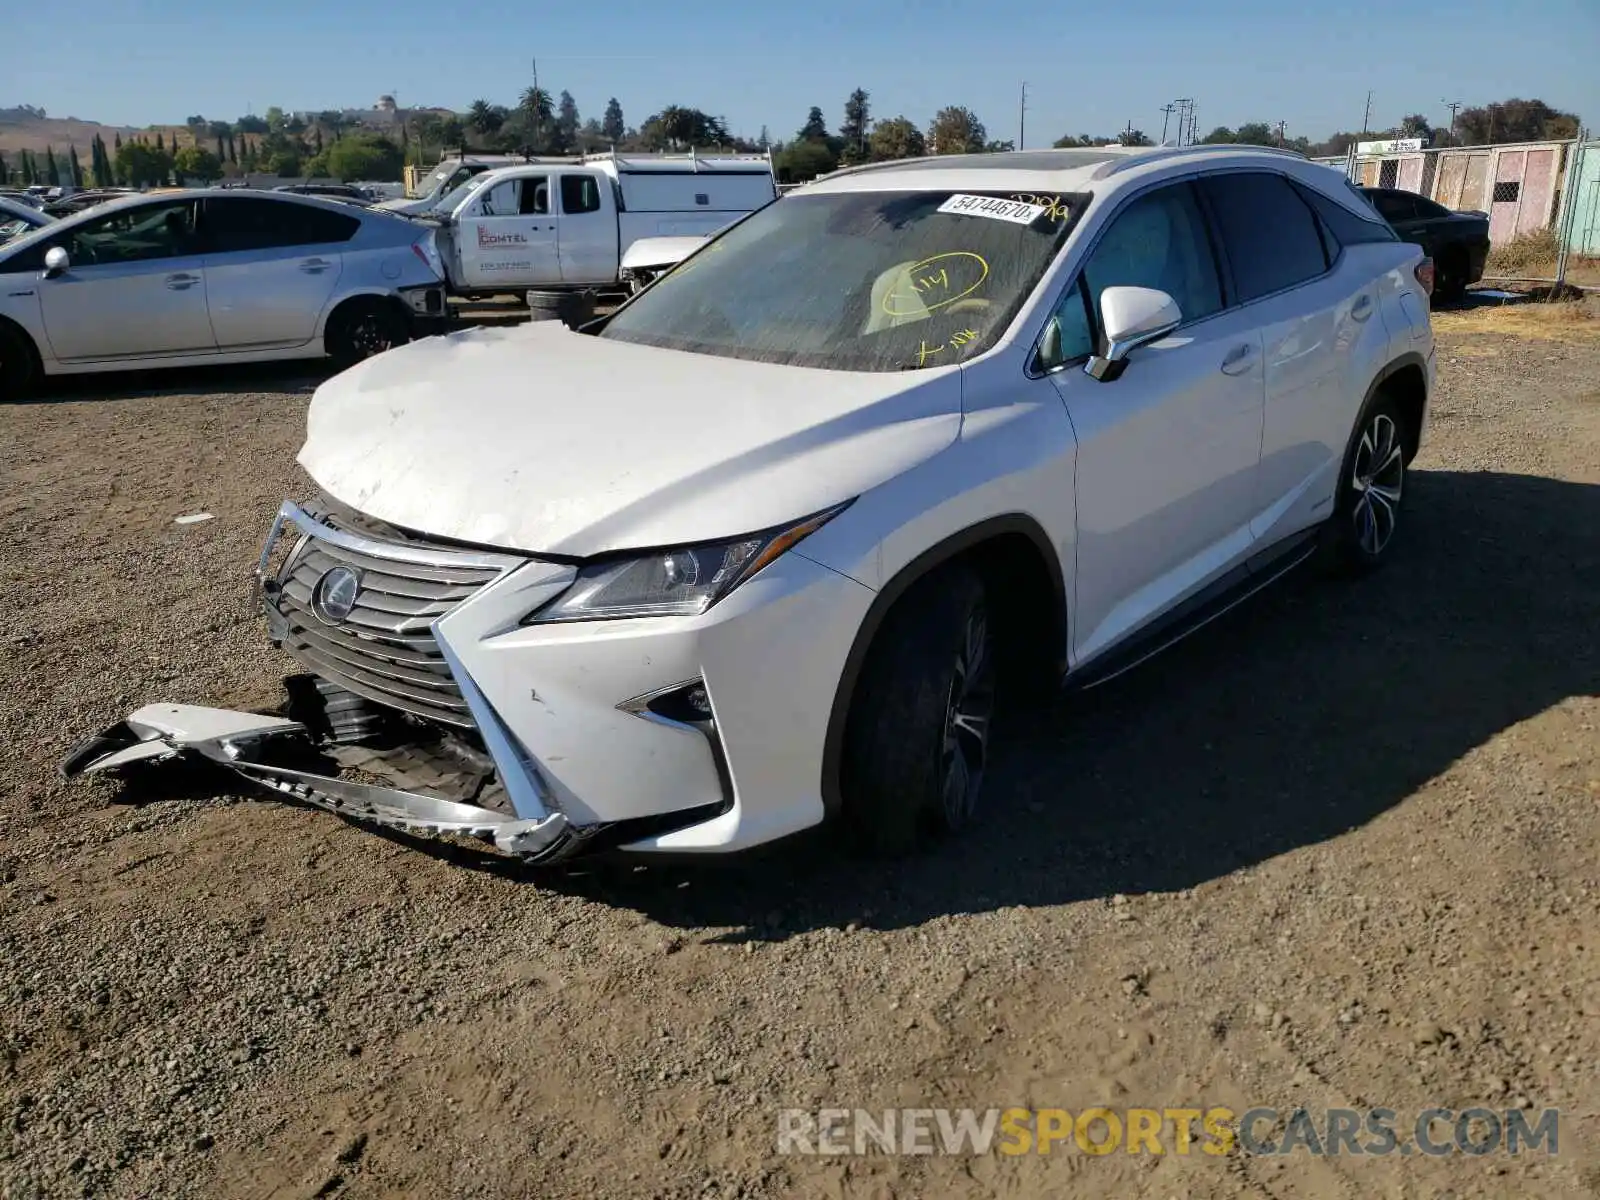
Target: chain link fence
[{"x": 1542, "y": 200}]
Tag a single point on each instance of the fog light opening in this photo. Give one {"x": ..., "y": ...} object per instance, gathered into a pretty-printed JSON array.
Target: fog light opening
[{"x": 685, "y": 704}]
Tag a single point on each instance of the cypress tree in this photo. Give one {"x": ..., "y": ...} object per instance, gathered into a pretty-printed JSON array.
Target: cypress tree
[{"x": 52, "y": 173}]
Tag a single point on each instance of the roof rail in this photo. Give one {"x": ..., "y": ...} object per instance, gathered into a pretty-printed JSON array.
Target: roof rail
[
  {"x": 1148, "y": 154},
  {"x": 862, "y": 168},
  {"x": 692, "y": 155}
]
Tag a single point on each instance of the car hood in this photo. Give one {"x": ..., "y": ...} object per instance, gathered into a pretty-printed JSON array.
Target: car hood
[{"x": 540, "y": 439}]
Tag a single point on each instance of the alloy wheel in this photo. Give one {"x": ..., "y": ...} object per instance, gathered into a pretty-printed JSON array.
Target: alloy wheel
[
  {"x": 1377, "y": 476},
  {"x": 369, "y": 337},
  {"x": 969, "y": 712}
]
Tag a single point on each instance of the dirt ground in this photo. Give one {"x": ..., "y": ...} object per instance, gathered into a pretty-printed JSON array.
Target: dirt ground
[{"x": 1337, "y": 850}]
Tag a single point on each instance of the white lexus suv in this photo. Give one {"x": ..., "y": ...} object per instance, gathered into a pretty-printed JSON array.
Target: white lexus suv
[{"x": 773, "y": 544}]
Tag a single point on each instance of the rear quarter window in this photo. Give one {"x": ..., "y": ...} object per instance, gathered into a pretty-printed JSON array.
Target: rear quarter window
[{"x": 1342, "y": 225}]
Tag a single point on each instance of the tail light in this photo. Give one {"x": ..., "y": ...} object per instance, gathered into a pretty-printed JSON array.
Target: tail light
[
  {"x": 1424, "y": 273},
  {"x": 426, "y": 248}
]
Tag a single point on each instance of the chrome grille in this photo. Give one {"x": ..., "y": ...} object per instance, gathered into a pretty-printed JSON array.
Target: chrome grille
[{"x": 385, "y": 649}]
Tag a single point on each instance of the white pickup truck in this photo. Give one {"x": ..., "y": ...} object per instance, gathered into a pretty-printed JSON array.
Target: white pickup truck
[{"x": 571, "y": 226}]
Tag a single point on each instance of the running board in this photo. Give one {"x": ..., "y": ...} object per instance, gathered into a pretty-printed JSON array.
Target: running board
[{"x": 1199, "y": 610}]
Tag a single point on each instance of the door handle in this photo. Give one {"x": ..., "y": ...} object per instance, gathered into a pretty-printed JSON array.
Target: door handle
[
  {"x": 179, "y": 283},
  {"x": 315, "y": 266},
  {"x": 1239, "y": 360},
  {"x": 1362, "y": 308}
]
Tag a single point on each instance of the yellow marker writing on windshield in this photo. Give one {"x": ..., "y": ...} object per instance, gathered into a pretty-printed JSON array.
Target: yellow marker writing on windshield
[
  {"x": 936, "y": 281},
  {"x": 1053, "y": 208}
]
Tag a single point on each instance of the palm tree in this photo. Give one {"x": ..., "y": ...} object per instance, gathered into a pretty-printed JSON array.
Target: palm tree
[
  {"x": 536, "y": 109},
  {"x": 680, "y": 124},
  {"x": 485, "y": 119}
]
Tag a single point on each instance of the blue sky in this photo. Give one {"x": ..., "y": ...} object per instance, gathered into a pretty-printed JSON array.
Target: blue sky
[{"x": 1090, "y": 68}]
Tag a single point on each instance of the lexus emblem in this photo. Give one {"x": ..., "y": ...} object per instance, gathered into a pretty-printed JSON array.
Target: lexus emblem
[{"x": 334, "y": 595}]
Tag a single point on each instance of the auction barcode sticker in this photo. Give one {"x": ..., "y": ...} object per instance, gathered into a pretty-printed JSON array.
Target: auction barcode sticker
[{"x": 989, "y": 206}]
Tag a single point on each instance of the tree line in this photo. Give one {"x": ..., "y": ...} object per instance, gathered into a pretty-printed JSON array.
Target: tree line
[
  {"x": 327, "y": 146},
  {"x": 1514, "y": 120}
]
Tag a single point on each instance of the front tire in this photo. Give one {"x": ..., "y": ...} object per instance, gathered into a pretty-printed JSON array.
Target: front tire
[
  {"x": 19, "y": 368},
  {"x": 363, "y": 329},
  {"x": 917, "y": 738},
  {"x": 1371, "y": 484}
]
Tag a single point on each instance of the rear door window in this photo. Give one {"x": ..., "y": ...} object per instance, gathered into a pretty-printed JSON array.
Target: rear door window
[
  {"x": 1269, "y": 235},
  {"x": 579, "y": 194},
  {"x": 237, "y": 224}
]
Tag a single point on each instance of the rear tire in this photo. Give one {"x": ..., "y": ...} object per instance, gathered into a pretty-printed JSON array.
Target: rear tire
[
  {"x": 1366, "y": 518},
  {"x": 362, "y": 329},
  {"x": 19, "y": 365},
  {"x": 570, "y": 308},
  {"x": 917, "y": 738},
  {"x": 1450, "y": 281}
]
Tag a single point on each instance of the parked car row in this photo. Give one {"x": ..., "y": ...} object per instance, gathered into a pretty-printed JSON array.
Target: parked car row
[
  {"x": 18, "y": 218},
  {"x": 212, "y": 276}
]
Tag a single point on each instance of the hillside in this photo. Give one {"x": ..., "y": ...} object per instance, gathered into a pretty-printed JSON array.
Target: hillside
[{"x": 58, "y": 133}]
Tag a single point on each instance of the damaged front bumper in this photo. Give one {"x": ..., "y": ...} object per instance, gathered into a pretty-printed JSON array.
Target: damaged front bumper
[{"x": 272, "y": 751}]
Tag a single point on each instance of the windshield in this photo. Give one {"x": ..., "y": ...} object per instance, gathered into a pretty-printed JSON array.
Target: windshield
[
  {"x": 449, "y": 179},
  {"x": 451, "y": 200},
  {"x": 857, "y": 281}
]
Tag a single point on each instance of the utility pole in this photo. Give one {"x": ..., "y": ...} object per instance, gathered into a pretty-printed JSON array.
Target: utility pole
[
  {"x": 1366, "y": 117},
  {"x": 1185, "y": 110},
  {"x": 1453, "y": 106},
  {"x": 1022, "y": 117},
  {"x": 1166, "y": 115},
  {"x": 538, "y": 121}
]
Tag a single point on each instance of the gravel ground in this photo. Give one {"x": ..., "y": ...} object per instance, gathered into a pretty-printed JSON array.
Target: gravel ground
[{"x": 1337, "y": 850}]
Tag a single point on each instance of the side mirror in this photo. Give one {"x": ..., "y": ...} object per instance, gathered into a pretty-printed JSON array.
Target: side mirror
[
  {"x": 55, "y": 262},
  {"x": 1131, "y": 317}
]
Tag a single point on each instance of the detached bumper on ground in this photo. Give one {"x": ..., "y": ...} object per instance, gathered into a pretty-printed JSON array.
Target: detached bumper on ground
[{"x": 261, "y": 747}]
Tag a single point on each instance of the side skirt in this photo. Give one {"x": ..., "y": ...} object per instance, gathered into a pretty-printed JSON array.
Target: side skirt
[{"x": 1199, "y": 610}]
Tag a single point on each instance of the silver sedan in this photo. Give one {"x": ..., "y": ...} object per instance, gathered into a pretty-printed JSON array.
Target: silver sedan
[
  {"x": 17, "y": 219},
  {"x": 213, "y": 276}
]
